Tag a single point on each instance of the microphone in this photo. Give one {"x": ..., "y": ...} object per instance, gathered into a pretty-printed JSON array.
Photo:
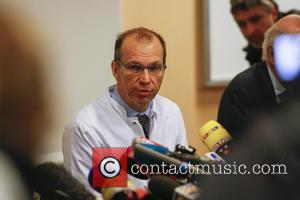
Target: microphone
[
  {"x": 215, "y": 137},
  {"x": 166, "y": 188},
  {"x": 181, "y": 153},
  {"x": 186, "y": 150},
  {"x": 149, "y": 152},
  {"x": 164, "y": 164},
  {"x": 143, "y": 140},
  {"x": 131, "y": 161},
  {"x": 53, "y": 181},
  {"x": 146, "y": 154}
]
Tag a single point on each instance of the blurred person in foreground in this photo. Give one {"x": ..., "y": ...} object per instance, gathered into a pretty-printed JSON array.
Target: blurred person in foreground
[
  {"x": 258, "y": 88},
  {"x": 24, "y": 117},
  {"x": 254, "y": 18},
  {"x": 128, "y": 109},
  {"x": 22, "y": 104},
  {"x": 270, "y": 150}
]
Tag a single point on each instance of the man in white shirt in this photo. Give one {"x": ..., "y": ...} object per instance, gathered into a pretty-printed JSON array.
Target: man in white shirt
[{"x": 112, "y": 120}]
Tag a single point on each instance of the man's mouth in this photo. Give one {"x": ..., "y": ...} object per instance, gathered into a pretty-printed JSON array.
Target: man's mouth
[{"x": 144, "y": 93}]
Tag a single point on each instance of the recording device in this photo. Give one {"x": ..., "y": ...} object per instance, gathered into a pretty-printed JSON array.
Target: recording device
[
  {"x": 215, "y": 137},
  {"x": 166, "y": 188},
  {"x": 53, "y": 181},
  {"x": 286, "y": 56}
]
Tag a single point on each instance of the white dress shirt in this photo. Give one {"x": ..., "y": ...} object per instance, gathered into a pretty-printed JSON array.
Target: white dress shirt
[
  {"x": 104, "y": 123},
  {"x": 278, "y": 87}
]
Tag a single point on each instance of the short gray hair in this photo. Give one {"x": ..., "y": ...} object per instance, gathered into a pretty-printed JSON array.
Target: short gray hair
[
  {"x": 276, "y": 31},
  {"x": 246, "y": 4},
  {"x": 269, "y": 38},
  {"x": 141, "y": 33}
]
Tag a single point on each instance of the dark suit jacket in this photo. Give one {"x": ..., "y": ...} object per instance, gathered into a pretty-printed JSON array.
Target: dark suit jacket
[{"x": 249, "y": 93}]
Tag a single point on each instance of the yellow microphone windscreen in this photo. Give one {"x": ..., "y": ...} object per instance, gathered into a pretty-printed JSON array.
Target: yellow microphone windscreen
[{"x": 214, "y": 135}]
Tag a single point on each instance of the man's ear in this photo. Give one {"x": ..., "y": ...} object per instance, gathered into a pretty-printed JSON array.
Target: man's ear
[
  {"x": 275, "y": 13},
  {"x": 114, "y": 68}
]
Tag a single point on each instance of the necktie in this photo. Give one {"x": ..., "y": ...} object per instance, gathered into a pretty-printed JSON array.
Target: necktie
[{"x": 144, "y": 121}]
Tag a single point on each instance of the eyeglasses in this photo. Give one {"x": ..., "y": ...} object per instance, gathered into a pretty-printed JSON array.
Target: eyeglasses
[{"x": 135, "y": 68}]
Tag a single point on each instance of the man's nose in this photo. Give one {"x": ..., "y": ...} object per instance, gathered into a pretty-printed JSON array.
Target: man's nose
[
  {"x": 249, "y": 29},
  {"x": 145, "y": 76}
]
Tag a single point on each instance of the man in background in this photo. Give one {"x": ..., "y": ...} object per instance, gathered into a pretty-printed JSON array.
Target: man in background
[
  {"x": 128, "y": 109},
  {"x": 258, "y": 88},
  {"x": 254, "y": 18}
]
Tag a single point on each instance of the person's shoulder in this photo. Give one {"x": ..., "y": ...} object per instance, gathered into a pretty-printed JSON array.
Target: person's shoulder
[
  {"x": 249, "y": 85},
  {"x": 161, "y": 100},
  {"x": 250, "y": 76},
  {"x": 88, "y": 110},
  {"x": 164, "y": 103},
  {"x": 90, "y": 113},
  {"x": 290, "y": 12}
]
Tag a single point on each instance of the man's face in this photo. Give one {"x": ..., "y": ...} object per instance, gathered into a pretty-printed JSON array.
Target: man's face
[
  {"x": 254, "y": 22},
  {"x": 138, "y": 89}
]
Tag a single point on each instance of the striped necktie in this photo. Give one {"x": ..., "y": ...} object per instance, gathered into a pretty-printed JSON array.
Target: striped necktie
[{"x": 144, "y": 121}]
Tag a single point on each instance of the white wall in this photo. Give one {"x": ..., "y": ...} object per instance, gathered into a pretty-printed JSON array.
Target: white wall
[{"x": 79, "y": 37}]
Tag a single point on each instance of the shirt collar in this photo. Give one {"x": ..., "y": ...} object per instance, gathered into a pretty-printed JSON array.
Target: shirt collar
[
  {"x": 130, "y": 112},
  {"x": 278, "y": 87}
]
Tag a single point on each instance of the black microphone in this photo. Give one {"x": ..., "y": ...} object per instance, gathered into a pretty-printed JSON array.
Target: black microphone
[
  {"x": 164, "y": 164},
  {"x": 163, "y": 187},
  {"x": 131, "y": 161},
  {"x": 181, "y": 153},
  {"x": 185, "y": 150},
  {"x": 53, "y": 181}
]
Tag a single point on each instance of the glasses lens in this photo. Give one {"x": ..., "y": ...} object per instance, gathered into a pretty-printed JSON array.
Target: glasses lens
[
  {"x": 135, "y": 68},
  {"x": 155, "y": 69}
]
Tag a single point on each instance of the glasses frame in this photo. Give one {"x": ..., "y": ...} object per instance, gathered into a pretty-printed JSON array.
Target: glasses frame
[{"x": 142, "y": 68}]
